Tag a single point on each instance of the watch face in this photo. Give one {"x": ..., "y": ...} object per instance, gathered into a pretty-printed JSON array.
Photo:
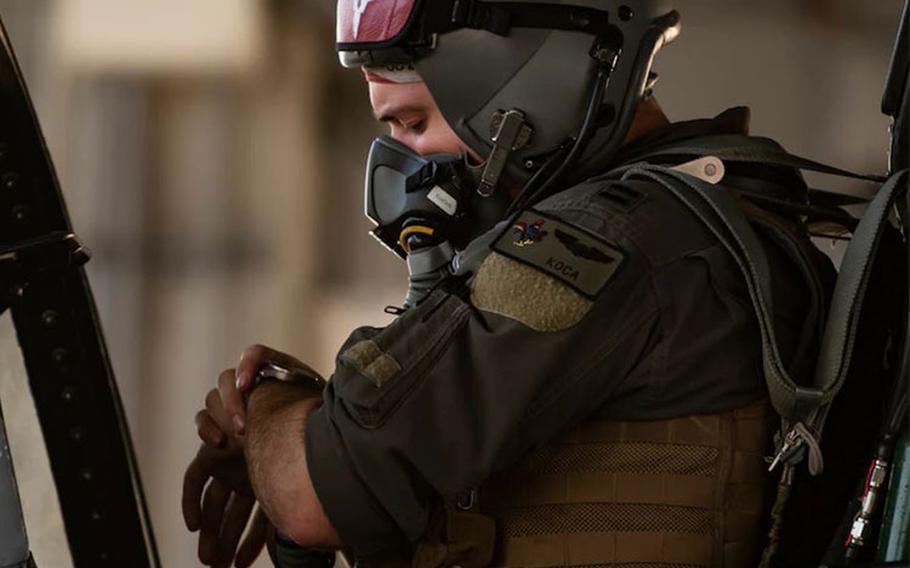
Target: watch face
[
  {"x": 273, "y": 371},
  {"x": 289, "y": 375}
]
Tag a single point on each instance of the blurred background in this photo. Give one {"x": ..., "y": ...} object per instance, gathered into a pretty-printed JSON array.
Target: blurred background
[{"x": 211, "y": 154}]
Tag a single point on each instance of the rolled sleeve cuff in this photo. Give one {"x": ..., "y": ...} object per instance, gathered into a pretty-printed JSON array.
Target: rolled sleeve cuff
[{"x": 362, "y": 524}]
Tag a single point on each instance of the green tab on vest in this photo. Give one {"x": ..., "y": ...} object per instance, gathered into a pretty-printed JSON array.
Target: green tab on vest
[{"x": 582, "y": 260}]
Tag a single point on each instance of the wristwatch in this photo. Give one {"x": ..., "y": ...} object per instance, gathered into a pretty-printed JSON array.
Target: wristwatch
[{"x": 293, "y": 375}]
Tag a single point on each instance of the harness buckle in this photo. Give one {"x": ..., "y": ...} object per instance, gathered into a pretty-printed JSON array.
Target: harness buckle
[
  {"x": 789, "y": 447},
  {"x": 795, "y": 445}
]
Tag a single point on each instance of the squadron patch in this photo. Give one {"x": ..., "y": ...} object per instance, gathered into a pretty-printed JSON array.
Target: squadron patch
[
  {"x": 528, "y": 234},
  {"x": 580, "y": 259}
]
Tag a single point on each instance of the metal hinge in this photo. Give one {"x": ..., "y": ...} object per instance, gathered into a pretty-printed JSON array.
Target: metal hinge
[
  {"x": 56, "y": 250},
  {"x": 509, "y": 132}
]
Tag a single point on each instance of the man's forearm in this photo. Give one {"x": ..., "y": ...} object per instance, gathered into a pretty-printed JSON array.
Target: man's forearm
[{"x": 276, "y": 457}]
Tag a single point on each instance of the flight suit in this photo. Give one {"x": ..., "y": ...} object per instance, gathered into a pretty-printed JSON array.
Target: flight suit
[{"x": 586, "y": 389}]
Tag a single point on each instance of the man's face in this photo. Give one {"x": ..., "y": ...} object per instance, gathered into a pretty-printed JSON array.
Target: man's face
[{"x": 414, "y": 119}]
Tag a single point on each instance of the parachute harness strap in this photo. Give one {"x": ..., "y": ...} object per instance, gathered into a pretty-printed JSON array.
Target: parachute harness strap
[{"x": 803, "y": 410}]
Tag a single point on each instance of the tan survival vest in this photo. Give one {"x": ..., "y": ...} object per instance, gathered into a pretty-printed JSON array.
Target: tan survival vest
[{"x": 680, "y": 493}]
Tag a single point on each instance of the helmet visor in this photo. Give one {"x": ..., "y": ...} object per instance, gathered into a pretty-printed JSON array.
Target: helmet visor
[{"x": 366, "y": 25}]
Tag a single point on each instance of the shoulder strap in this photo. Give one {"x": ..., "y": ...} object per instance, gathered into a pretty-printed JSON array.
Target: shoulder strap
[
  {"x": 750, "y": 149},
  {"x": 852, "y": 287},
  {"x": 802, "y": 408},
  {"x": 797, "y": 248}
]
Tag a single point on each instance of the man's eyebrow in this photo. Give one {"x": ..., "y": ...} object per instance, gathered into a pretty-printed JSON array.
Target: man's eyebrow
[{"x": 394, "y": 112}]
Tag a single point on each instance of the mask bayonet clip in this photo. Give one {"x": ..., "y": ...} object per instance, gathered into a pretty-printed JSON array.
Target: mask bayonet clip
[{"x": 509, "y": 132}]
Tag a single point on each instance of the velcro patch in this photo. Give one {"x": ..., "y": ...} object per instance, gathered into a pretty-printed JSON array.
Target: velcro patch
[
  {"x": 372, "y": 362},
  {"x": 582, "y": 260},
  {"x": 515, "y": 290}
]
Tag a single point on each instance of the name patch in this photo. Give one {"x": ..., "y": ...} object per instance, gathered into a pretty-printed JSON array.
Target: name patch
[{"x": 580, "y": 259}]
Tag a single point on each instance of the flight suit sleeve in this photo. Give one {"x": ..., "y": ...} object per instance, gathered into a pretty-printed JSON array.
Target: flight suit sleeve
[{"x": 469, "y": 381}]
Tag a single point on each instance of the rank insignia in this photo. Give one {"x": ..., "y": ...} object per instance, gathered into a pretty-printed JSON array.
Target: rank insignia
[
  {"x": 526, "y": 234},
  {"x": 579, "y": 258}
]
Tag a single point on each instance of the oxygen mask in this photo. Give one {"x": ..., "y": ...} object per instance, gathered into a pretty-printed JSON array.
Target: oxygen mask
[{"x": 426, "y": 208}]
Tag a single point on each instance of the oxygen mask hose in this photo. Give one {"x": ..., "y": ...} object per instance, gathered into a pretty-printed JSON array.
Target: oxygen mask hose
[
  {"x": 429, "y": 259},
  {"x": 417, "y": 236}
]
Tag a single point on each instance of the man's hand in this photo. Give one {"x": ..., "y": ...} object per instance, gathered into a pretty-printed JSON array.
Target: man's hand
[
  {"x": 226, "y": 508},
  {"x": 222, "y": 509},
  {"x": 228, "y": 500},
  {"x": 253, "y": 358}
]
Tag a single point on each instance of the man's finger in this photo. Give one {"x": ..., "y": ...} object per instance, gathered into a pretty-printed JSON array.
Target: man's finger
[
  {"x": 216, "y": 411},
  {"x": 208, "y": 431},
  {"x": 235, "y": 520},
  {"x": 213, "y": 503},
  {"x": 232, "y": 400},
  {"x": 253, "y": 357},
  {"x": 193, "y": 483},
  {"x": 255, "y": 539}
]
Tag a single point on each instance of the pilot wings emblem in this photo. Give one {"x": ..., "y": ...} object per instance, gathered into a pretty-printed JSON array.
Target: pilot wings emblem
[{"x": 582, "y": 250}]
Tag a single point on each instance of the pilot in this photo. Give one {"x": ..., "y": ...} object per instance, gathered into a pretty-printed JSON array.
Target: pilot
[{"x": 575, "y": 378}]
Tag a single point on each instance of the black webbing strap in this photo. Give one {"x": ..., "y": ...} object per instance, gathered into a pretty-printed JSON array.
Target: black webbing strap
[
  {"x": 802, "y": 409},
  {"x": 755, "y": 150},
  {"x": 499, "y": 17},
  {"x": 851, "y": 289},
  {"x": 797, "y": 251}
]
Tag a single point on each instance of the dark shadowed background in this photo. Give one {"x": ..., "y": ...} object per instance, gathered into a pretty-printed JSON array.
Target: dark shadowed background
[{"x": 211, "y": 153}]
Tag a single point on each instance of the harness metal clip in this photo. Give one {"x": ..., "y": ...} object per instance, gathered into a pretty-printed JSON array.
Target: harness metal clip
[
  {"x": 791, "y": 444},
  {"x": 794, "y": 447}
]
